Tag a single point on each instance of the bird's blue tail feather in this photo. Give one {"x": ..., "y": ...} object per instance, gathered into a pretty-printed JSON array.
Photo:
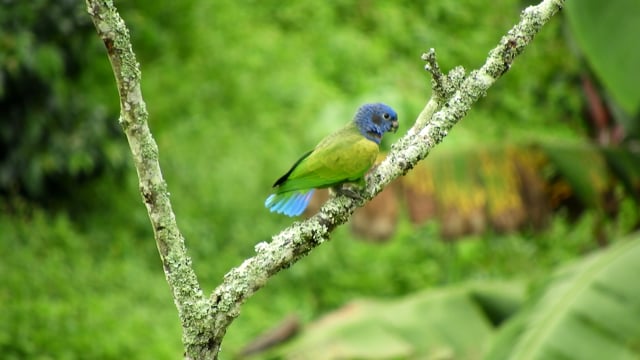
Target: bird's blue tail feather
[{"x": 291, "y": 203}]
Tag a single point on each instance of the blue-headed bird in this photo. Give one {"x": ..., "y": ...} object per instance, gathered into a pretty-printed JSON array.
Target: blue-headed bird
[{"x": 342, "y": 157}]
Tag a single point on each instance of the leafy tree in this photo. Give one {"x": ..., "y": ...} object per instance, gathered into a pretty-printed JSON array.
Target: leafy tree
[{"x": 51, "y": 134}]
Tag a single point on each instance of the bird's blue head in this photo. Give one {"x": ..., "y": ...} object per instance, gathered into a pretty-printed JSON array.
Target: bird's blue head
[{"x": 373, "y": 120}]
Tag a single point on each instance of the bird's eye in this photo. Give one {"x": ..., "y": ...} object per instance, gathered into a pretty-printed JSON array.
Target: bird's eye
[{"x": 386, "y": 116}]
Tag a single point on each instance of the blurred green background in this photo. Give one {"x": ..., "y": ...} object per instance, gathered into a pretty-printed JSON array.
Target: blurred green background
[{"x": 236, "y": 91}]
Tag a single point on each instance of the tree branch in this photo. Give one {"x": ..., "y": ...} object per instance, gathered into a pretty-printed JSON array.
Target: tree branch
[
  {"x": 193, "y": 306},
  {"x": 205, "y": 320}
]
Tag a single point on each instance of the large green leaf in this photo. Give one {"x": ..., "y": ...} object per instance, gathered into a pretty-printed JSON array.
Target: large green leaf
[
  {"x": 607, "y": 32},
  {"x": 590, "y": 310},
  {"x": 446, "y": 323}
]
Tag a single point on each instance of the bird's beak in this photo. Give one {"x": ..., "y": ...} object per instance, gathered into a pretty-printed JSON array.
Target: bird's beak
[{"x": 394, "y": 125}]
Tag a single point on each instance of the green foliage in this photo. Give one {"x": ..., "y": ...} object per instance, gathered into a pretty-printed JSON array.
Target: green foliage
[
  {"x": 606, "y": 46},
  {"x": 53, "y": 134},
  {"x": 416, "y": 259},
  {"x": 626, "y": 167},
  {"x": 264, "y": 85},
  {"x": 589, "y": 310},
  {"x": 448, "y": 322},
  {"x": 62, "y": 300},
  {"x": 68, "y": 289},
  {"x": 583, "y": 167},
  {"x": 508, "y": 186}
]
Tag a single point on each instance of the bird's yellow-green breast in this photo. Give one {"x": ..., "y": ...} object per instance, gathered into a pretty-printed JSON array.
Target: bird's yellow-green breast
[{"x": 341, "y": 157}]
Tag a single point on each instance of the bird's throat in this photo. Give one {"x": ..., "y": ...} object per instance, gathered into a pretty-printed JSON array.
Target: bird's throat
[{"x": 374, "y": 136}]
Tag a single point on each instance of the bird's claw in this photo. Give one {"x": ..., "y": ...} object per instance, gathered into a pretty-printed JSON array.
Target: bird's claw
[{"x": 350, "y": 193}]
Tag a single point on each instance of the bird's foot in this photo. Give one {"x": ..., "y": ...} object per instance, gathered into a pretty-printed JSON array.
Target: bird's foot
[{"x": 348, "y": 192}]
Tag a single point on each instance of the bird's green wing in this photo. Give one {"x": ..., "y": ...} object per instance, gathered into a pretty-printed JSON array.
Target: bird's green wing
[{"x": 343, "y": 156}]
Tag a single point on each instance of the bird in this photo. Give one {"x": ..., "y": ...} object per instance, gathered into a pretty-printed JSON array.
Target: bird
[{"x": 342, "y": 157}]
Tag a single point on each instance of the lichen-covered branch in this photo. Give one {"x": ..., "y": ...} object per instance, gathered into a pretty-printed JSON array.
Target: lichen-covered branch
[
  {"x": 193, "y": 306},
  {"x": 206, "y": 319}
]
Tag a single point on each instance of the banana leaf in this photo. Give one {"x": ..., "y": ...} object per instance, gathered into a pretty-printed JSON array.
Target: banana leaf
[
  {"x": 590, "y": 310},
  {"x": 455, "y": 322}
]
